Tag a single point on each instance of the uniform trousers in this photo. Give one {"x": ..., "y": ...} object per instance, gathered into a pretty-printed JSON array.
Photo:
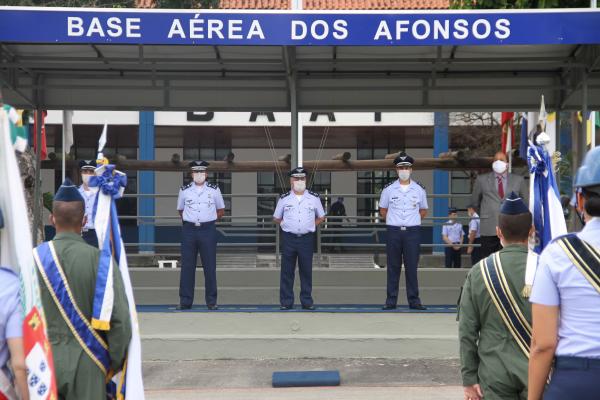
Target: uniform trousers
[
  {"x": 403, "y": 246},
  {"x": 452, "y": 257},
  {"x": 90, "y": 237},
  {"x": 476, "y": 253},
  {"x": 296, "y": 248},
  {"x": 201, "y": 238},
  {"x": 574, "y": 378}
]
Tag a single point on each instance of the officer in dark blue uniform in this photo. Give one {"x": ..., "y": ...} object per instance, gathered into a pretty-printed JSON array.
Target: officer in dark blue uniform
[
  {"x": 403, "y": 204},
  {"x": 200, "y": 204},
  {"x": 298, "y": 212},
  {"x": 89, "y": 194}
]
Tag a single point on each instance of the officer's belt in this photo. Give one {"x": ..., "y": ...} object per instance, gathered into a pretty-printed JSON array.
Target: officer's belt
[
  {"x": 503, "y": 299},
  {"x": 198, "y": 224},
  {"x": 584, "y": 256},
  {"x": 52, "y": 273}
]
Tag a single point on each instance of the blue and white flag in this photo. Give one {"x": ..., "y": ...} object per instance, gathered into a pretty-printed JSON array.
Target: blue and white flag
[
  {"x": 545, "y": 206},
  {"x": 128, "y": 383}
]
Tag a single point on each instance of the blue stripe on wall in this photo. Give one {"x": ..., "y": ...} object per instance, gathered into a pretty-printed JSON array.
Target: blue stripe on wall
[
  {"x": 441, "y": 183},
  {"x": 146, "y": 180}
]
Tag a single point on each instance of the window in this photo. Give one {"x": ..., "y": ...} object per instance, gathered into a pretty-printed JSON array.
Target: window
[{"x": 371, "y": 182}]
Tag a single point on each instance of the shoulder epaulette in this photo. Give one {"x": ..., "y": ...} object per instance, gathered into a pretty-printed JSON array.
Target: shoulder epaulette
[
  {"x": 189, "y": 185},
  {"x": 389, "y": 184},
  {"x": 420, "y": 184},
  {"x": 282, "y": 195},
  {"x": 6, "y": 269},
  {"x": 314, "y": 193},
  {"x": 212, "y": 185}
]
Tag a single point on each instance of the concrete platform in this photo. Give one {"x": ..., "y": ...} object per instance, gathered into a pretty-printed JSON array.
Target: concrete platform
[
  {"x": 198, "y": 336},
  {"x": 330, "y": 285}
]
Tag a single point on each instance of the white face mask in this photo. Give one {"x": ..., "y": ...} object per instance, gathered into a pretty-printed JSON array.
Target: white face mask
[
  {"x": 404, "y": 174},
  {"x": 499, "y": 166},
  {"x": 299, "y": 186},
  {"x": 199, "y": 177}
]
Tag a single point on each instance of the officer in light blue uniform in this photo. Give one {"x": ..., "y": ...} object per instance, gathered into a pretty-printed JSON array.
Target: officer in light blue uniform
[
  {"x": 566, "y": 303},
  {"x": 88, "y": 233},
  {"x": 11, "y": 332},
  {"x": 200, "y": 204},
  {"x": 403, "y": 204},
  {"x": 298, "y": 212},
  {"x": 452, "y": 234}
]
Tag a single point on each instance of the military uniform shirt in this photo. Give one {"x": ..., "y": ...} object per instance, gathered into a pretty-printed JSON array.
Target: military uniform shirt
[
  {"x": 90, "y": 197},
  {"x": 454, "y": 231},
  {"x": 403, "y": 206},
  {"x": 559, "y": 283},
  {"x": 298, "y": 215},
  {"x": 11, "y": 321},
  {"x": 200, "y": 203},
  {"x": 474, "y": 225}
]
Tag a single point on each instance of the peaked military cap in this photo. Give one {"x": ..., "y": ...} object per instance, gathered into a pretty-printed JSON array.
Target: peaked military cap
[
  {"x": 298, "y": 172},
  {"x": 513, "y": 205},
  {"x": 68, "y": 192},
  {"x": 87, "y": 164},
  {"x": 404, "y": 160},
  {"x": 452, "y": 210},
  {"x": 199, "y": 165}
]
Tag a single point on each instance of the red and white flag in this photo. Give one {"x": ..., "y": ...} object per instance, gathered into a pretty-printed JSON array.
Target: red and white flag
[{"x": 16, "y": 253}]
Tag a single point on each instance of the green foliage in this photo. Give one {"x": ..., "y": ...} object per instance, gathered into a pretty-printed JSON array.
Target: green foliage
[
  {"x": 48, "y": 198},
  {"x": 517, "y": 4}
]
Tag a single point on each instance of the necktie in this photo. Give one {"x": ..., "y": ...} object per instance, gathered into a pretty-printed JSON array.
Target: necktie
[{"x": 500, "y": 187}]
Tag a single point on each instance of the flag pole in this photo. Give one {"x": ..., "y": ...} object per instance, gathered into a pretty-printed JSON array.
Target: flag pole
[
  {"x": 64, "y": 152},
  {"x": 509, "y": 144}
]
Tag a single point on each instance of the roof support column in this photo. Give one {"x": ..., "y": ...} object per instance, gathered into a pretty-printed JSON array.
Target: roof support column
[
  {"x": 297, "y": 143},
  {"x": 441, "y": 184},
  {"x": 146, "y": 205},
  {"x": 37, "y": 190}
]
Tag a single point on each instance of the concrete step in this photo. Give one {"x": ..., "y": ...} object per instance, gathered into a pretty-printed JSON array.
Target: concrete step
[
  {"x": 330, "y": 285},
  {"x": 196, "y": 336}
]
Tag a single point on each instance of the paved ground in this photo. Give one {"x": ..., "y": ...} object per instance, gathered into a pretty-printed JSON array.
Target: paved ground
[
  {"x": 251, "y": 379},
  {"x": 341, "y": 393}
]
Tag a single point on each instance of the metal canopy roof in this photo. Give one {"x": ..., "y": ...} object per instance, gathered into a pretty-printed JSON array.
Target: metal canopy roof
[{"x": 346, "y": 77}]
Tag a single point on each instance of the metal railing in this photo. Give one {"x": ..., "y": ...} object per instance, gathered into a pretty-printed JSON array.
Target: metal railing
[{"x": 332, "y": 233}]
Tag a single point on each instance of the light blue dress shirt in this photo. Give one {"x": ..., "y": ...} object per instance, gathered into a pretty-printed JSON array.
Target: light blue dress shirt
[
  {"x": 298, "y": 214},
  {"x": 90, "y": 197},
  {"x": 454, "y": 231},
  {"x": 403, "y": 207},
  {"x": 474, "y": 225},
  {"x": 559, "y": 283},
  {"x": 11, "y": 320},
  {"x": 200, "y": 203}
]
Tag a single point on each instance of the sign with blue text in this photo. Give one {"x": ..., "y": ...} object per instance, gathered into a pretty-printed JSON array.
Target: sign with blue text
[{"x": 359, "y": 28}]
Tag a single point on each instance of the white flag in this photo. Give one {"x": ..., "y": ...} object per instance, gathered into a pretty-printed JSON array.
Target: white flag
[
  {"x": 102, "y": 141},
  {"x": 68, "y": 130}
]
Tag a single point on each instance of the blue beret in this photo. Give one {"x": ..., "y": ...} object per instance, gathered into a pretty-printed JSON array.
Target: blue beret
[
  {"x": 87, "y": 164},
  {"x": 403, "y": 160},
  {"x": 198, "y": 165},
  {"x": 513, "y": 205},
  {"x": 298, "y": 172},
  {"x": 68, "y": 192}
]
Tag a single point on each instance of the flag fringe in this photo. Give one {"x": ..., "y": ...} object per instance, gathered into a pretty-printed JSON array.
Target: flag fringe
[{"x": 526, "y": 293}]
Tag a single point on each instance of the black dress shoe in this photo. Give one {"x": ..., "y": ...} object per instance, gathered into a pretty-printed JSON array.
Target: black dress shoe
[
  {"x": 286, "y": 307},
  {"x": 212, "y": 307},
  {"x": 389, "y": 307},
  {"x": 418, "y": 307},
  {"x": 182, "y": 307},
  {"x": 309, "y": 308}
]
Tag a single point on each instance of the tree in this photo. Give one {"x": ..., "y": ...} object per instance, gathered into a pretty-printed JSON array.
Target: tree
[{"x": 517, "y": 4}]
